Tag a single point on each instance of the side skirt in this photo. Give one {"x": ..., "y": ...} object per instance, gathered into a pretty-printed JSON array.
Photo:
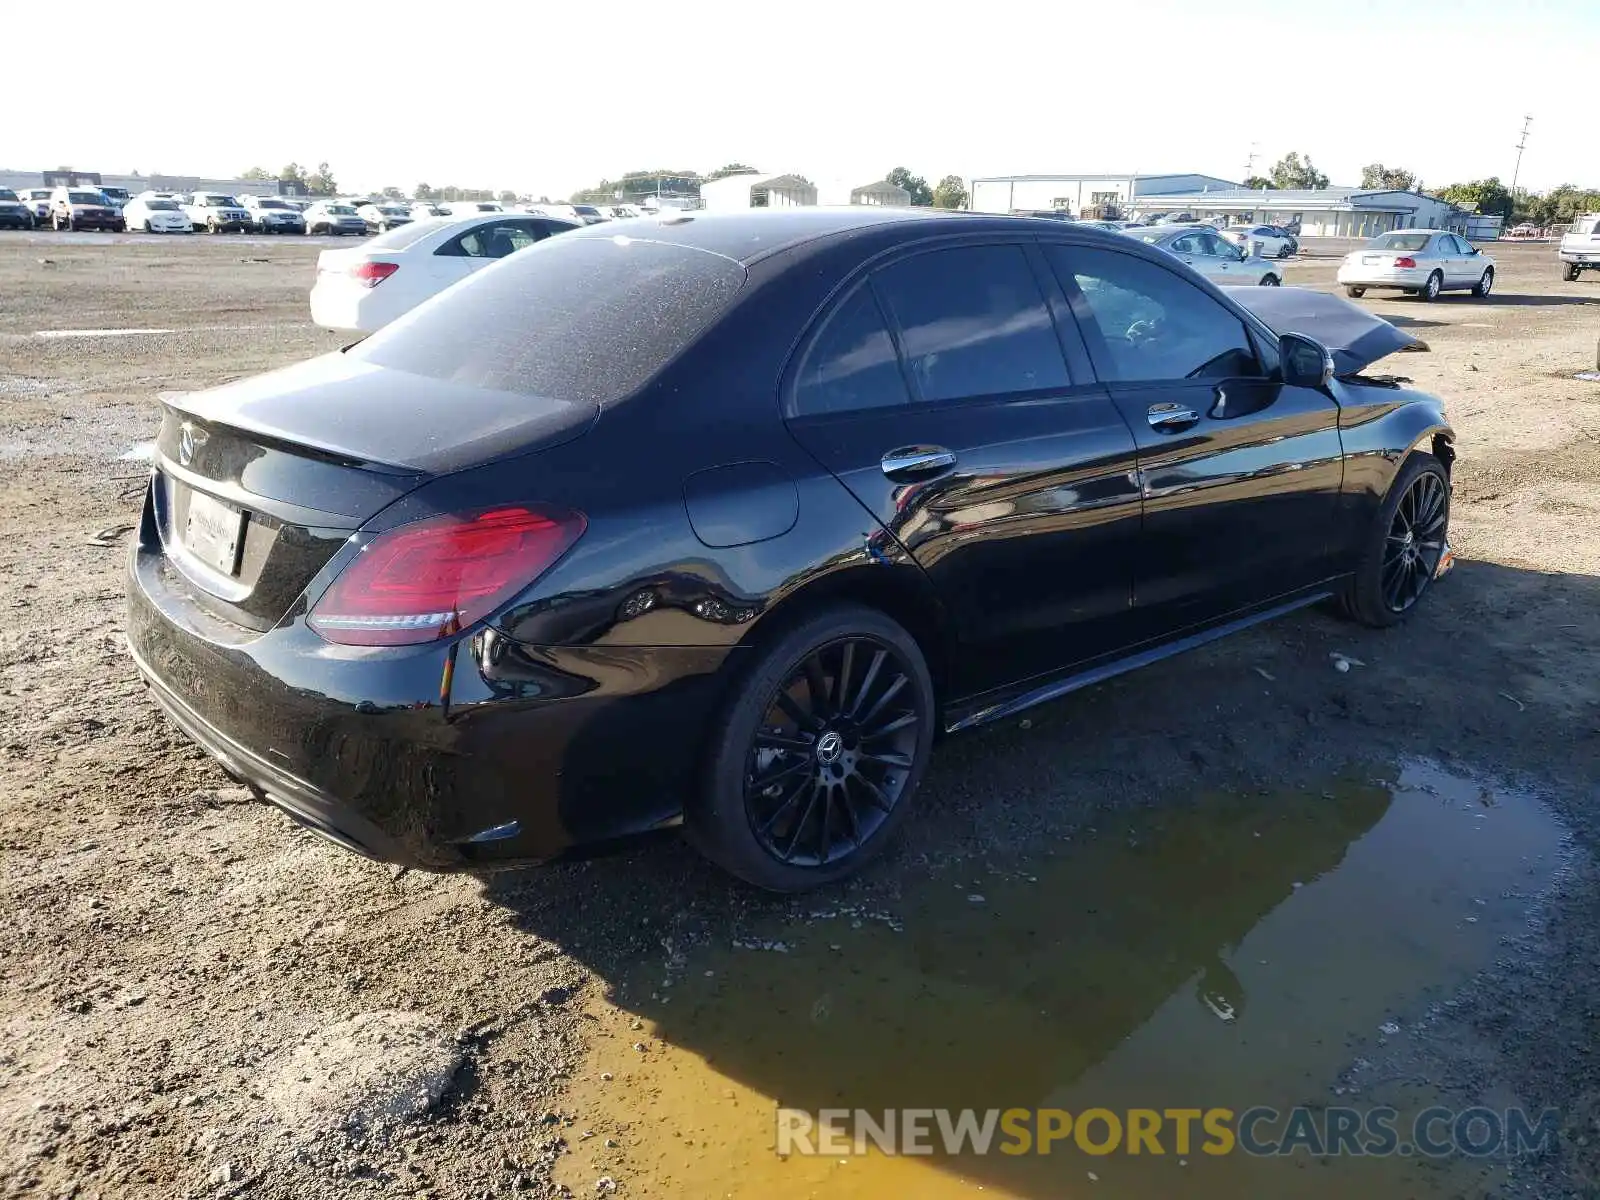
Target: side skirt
[{"x": 963, "y": 716}]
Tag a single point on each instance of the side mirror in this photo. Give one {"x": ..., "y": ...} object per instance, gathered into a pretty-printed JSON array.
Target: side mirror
[{"x": 1304, "y": 362}]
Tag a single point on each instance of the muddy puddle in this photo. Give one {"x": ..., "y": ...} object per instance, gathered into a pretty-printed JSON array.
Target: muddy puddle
[{"x": 1238, "y": 953}]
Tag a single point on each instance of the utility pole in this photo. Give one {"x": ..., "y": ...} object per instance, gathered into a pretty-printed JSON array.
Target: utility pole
[
  {"x": 1521, "y": 146},
  {"x": 1250, "y": 161}
]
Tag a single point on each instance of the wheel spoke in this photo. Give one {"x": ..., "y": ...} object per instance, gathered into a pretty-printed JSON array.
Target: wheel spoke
[
  {"x": 1393, "y": 583},
  {"x": 862, "y": 692},
  {"x": 805, "y": 819},
  {"x": 894, "y": 726},
  {"x": 875, "y": 794},
  {"x": 891, "y": 758},
  {"x": 784, "y": 806},
  {"x": 847, "y": 803},
  {"x": 795, "y": 713},
  {"x": 825, "y": 830},
  {"x": 817, "y": 685},
  {"x": 841, "y": 682},
  {"x": 763, "y": 782},
  {"x": 889, "y": 693},
  {"x": 782, "y": 741}
]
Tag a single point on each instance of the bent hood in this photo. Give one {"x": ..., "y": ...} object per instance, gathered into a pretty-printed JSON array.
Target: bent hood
[{"x": 1355, "y": 337}]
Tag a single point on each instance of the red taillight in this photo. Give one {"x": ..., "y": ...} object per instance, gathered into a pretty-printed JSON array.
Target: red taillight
[
  {"x": 373, "y": 273},
  {"x": 432, "y": 578},
  {"x": 1405, "y": 261}
]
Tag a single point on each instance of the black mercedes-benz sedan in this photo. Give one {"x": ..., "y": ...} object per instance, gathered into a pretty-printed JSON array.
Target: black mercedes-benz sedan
[{"x": 724, "y": 519}]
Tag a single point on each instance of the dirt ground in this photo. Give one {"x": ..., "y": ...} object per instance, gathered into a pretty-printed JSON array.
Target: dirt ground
[{"x": 197, "y": 999}]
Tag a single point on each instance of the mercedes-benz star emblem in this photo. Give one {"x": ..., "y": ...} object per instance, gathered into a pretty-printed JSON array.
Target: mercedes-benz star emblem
[
  {"x": 829, "y": 747},
  {"x": 187, "y": 441}
]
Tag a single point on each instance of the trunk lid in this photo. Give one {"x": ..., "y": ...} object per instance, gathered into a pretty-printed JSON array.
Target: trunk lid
[{"x": 259, "y": 483}]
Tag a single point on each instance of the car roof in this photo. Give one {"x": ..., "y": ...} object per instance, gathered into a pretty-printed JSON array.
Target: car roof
[{"x": 748, "y": 235}]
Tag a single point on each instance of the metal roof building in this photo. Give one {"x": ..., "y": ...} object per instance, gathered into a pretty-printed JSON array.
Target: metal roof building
[
  {"x": 1075, "y": 193},
  {"x": 1320, "y": 212},
  {"x": 757, "y": 191}
]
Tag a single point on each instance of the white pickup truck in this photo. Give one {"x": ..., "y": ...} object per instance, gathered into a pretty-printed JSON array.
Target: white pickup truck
[
  {"x": 217, "y": 212},
  {"x": 1580, "y": 247}
]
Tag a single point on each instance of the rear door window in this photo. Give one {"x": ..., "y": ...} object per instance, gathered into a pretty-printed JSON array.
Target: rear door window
[
  {"x": 972, "y": 322},
  {"x": 852, "y": 365},
  {"x": 497, "y": 239},
  {"x": 1149, "y": 324}
]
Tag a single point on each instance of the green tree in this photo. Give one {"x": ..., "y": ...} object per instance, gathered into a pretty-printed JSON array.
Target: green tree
[
  {"x": 293, "y": 173},
  {"x": 950, "y": 192},
  {"x": 322, "y": 181},
  {"x": 508, "y": 197},
  {"x": 1257, "y": 183},
  {"x": 1389, "y": 179},
  {"x": 921, "y": 193},
  {"x": 1291, "y": 171},
  {"x": 257, "y": 173},
  {"x": 733, "y": 168},
  {"x": 393, "y": 193},
  {"x": 1488, "y": 196},
  {"x": 422, "y": 192}
]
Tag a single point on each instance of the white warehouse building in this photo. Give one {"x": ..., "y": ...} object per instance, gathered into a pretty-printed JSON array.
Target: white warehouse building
[
  {"x": 757, "y": 191},
  {"x": 1074, "y": 193}
]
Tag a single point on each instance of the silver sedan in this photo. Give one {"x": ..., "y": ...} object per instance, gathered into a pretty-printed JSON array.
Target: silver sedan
[
  {"x": 1422, "y": 262},
  {"x": 1199, "y": 246}
]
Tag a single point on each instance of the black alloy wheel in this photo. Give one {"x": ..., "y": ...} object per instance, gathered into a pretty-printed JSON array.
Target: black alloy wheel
[
  {"x": 1408, "y": 540},
  {"x": 833, "y": 753},
  {"x": 1415, "y": 542},
  {"x": 817, "y": 754}
]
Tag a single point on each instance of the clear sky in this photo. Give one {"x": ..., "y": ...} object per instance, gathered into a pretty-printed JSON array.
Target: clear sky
[{"x": 550, "y": 97}]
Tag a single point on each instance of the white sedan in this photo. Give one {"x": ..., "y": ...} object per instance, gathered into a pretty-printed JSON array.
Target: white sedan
[
  {"x": 1262, "y": 239},
  {"x": 1422, "y": 262},
  {"x": 156, "y": 214},
  {"x": 1199, "y": 246},
  {"x": 363, "y": 289}
]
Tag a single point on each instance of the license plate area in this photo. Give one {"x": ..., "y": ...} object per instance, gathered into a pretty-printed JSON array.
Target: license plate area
[
  {"x": 1369, "y": 260},
  {"x": 213, "y": 533}
]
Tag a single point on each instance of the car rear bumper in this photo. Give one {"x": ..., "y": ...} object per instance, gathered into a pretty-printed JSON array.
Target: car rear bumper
[
  {"x": 455, "y": 755},
  {"x": 1377, "y": 277},
  {"x": 1583, "y": 258}
]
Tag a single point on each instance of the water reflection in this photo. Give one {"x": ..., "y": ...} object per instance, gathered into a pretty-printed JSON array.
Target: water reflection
[{"x": 1231, "y": 953}]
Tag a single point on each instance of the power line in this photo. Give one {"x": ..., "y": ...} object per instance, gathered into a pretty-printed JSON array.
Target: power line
[{"x": 1521, "y": 146}]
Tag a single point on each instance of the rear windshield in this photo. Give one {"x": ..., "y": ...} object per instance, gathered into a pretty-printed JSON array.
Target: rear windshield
[
  {"x": 488, "y": 208},
  {"x": 405, "y": 235},
  {"x": 161, "y": 205},
  {"x": 570, "y": 318},
  {"x": 1153, "y": 234},
  {"x": 1409, "y": 242},
  {"x": 341, "y": 210},
  {"x": 7, "y": 194},
  {"x": 86, "y": 198},
  {"x": 1585, "y": 224}
]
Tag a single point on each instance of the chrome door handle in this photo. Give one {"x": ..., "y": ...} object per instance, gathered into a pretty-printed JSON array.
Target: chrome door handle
[
  {"x": 1169, "y": 418},
  {"x": 917, "y": 460}
]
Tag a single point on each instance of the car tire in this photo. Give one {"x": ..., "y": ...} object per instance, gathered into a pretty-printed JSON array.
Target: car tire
[
  {"x": 148, "y": 227},
  {"x": 1270, "y": 281},
  {"x": 1285, "y": 250},
  {"x": 1418, "y": 503},
  {"x": 1355, "y": 293},
  {"x": 1430, "y": 290},
  {"x": 1485, "y": 285},
  {"x": 1569, "y": 272},
  {"x": 825, "y": 818}
]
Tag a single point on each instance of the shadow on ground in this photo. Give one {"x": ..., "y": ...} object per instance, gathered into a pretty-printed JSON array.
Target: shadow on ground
[{"x": 1251, "y": 760}]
